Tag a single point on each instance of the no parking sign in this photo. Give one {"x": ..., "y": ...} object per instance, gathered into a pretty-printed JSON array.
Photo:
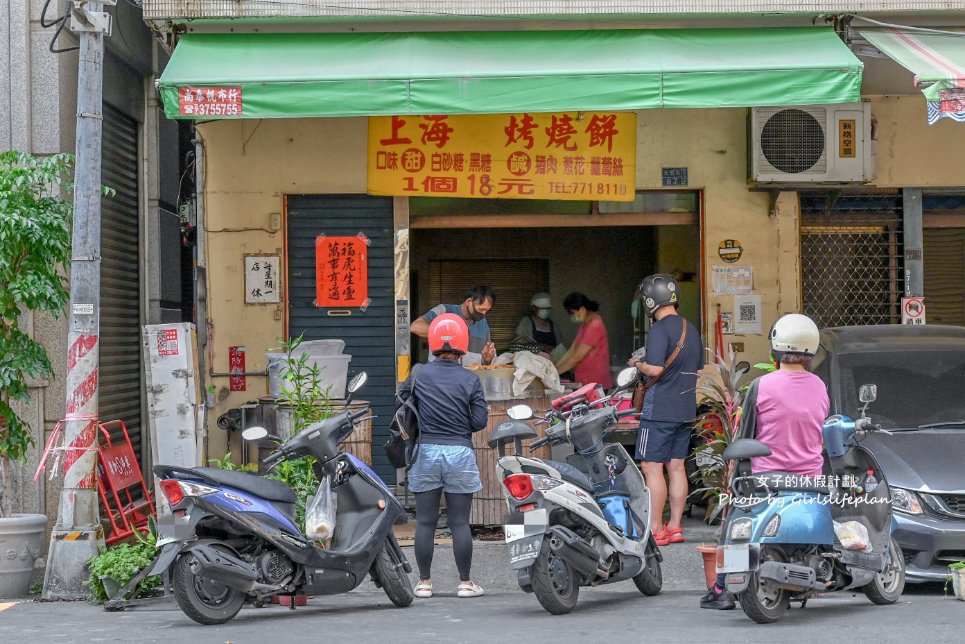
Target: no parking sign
[{"x": 913, "y": 310}]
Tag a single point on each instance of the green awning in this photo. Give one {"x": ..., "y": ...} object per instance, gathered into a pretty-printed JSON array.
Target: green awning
[
  {"x": 938, "y": 62},
  {"x": 383, "y": 74}
]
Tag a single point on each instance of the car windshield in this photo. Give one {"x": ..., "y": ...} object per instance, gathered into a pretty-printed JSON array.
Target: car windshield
[{"x": 914, "y": 387}]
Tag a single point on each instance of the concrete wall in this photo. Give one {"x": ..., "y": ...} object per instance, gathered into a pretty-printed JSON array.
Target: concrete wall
[{"x": 251, "y": 165}]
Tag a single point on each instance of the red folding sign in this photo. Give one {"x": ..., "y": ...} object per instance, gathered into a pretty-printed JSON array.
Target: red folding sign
[{"x": 341, "y": 271}]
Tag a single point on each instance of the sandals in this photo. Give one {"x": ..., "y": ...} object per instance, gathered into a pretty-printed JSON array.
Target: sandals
[
  {"x": 675, "y": 536},
  {"x": 470, "y": 589},
  {"x": 423, "y": 589}
]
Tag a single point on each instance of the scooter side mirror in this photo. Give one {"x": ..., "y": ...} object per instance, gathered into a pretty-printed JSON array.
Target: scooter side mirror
[
  {"x": 868, "y": 393},
  {"x": 357, "y": 382},
  {"x": 520, "y": 412},
  {"x": 254, "y": 433},
  {"x": 626, "y": 377}
]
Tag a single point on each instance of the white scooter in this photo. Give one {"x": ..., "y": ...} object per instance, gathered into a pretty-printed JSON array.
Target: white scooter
[{"x": 581, "y": 523}]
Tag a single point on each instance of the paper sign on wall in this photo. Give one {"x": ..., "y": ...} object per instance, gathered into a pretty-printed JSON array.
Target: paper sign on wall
[
  {"x": 341, "y": 271},
  {"x": 733, "y": 280},
  {"x": 261, "y": 279},
  {"x": 575, "y": 155},
  {"x": 747, "y": 313}
]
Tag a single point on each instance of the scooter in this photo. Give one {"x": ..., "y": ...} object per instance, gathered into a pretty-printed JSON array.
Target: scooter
[
  {"x": 231, "y": 537},
  {"x": 585, "y": 522},
  {"x": 779, "y": 540}
]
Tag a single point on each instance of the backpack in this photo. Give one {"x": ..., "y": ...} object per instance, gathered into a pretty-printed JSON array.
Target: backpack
[{"x": 402, "y": 448}]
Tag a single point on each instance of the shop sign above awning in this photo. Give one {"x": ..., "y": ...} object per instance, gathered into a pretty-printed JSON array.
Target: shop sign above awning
[
  {"x": 295, "y": 75},
  {"x": 936, "y": 59}
]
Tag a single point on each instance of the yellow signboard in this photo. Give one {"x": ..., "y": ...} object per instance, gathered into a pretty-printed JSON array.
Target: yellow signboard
[{"x": 585, "y": 156}]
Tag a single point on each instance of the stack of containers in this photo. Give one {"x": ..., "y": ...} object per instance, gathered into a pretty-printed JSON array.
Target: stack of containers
[{"x": 325, "y": 354}]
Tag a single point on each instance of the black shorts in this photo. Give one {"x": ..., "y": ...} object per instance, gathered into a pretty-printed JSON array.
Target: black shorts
[{"x": 660, "y": 442}]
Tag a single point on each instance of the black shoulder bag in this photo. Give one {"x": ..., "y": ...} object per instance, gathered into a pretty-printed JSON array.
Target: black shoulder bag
[{"x": 402, "y": 448}]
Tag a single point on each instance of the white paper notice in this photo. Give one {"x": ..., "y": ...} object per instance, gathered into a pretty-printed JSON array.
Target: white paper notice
[
  {"x": 262, "y": 281},
  {"x": 733, "y": 280},
  {"x": 747, "y": 314}
]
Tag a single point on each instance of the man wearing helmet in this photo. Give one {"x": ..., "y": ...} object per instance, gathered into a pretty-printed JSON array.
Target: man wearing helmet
[
  {"x": 784, "y": 410},
  {"x": 451, "y": 407},
  {"x": 674, "y": 358},
  {"x": 475, "y": 306}
]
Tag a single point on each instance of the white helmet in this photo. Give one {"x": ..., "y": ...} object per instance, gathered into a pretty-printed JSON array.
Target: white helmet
[
  {"x": 795, "y": 333},
  {"x": 541, "y": 301}
]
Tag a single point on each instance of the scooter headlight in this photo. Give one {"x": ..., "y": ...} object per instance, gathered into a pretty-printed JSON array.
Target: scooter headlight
[
  {"x": 905, "y": 501},
  {"x": 740, "y": 530}
]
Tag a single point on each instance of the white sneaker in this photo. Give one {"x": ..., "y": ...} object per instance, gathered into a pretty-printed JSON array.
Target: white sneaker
[
  {"x": 423, "y": 589},
  {"x": 470, "y": 589}
]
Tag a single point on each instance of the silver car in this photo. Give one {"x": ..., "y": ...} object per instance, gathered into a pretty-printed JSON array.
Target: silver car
[{"x": 920, "y": 375}]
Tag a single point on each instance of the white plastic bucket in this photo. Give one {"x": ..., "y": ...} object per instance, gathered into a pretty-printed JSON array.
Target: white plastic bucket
[{"x": 333, "y": 373}]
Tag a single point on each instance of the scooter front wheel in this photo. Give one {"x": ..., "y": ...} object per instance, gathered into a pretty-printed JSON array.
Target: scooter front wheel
[
  {"x": 202, "y": 599},
  {"x": 389, "y": 574},
  {"x": 765, "y": 603},
  {"x": 555, "y": 583},
  {"x": 888, "y": 584},
  {"x": 650, "y": 580}
]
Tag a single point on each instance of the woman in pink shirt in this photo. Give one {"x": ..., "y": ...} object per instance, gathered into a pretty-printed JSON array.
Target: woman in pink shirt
[{"x": 589, "y": 355}]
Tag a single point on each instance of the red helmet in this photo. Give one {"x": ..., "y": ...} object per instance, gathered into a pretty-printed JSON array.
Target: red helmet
[{"x": 448, "y": 332}]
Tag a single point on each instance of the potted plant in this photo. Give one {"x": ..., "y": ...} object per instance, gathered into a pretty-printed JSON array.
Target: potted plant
[
  {"x": 957, "y": 578},
  {"x": 114, "y": 567},
  {"x": 35, "y": 247},
  {"x": 717, "y": 427}
]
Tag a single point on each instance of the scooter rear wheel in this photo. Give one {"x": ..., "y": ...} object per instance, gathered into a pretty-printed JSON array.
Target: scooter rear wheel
[
  {"x": 888, "y": 585},
  {"x": 387, "y": 573},
  {"x": 555, "y": 583},
  {"x": 765, "y": 604},
  {"x": 204, "y": 600}
]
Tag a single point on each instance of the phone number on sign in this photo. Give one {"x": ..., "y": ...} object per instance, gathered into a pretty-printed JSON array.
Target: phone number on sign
[
  {"x": 586, "y": 188},
  {"x": 213, "y": 109}
]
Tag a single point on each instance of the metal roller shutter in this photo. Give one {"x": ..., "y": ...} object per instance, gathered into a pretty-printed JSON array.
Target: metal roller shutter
[
  {"x": 944, "y": 260},
  {"x": 369, "y": 335},
  {"x": 120, "y": 321}
]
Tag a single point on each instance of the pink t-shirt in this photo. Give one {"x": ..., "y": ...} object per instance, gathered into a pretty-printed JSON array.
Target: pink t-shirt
[
  {"x": 791, "y": 407},
  {"x": 595, "y": 367}
]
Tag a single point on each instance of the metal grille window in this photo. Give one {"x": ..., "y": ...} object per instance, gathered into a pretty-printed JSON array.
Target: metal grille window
[{"x": 851, "y": 259}]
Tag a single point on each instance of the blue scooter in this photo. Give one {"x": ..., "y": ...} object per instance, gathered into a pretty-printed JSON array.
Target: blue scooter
[
  {"x": 232, "y": 537},
  {"x": 779, "y": 542}
]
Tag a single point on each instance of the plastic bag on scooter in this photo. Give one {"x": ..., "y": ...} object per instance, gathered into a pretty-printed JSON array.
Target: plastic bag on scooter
[
  {"x": 853, "y": 536},
  {"x": 320, "y": 512}
]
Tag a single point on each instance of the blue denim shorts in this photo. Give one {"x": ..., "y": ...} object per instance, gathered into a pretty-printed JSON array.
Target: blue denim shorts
[
  {"x": 660, "y": 442},
  {"x": 451, "y": 467}
]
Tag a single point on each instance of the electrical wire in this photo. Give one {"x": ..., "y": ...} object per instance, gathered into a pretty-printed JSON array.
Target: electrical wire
[{"x": 61, "y": 23}]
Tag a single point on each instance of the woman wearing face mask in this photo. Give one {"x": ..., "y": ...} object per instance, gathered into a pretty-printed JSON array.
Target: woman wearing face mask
[
  {"x": 538, "y": 326},
  {"x": 589, "y": 355}
]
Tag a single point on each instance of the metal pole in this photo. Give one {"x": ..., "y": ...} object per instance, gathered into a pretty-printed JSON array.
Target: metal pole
[
  {"x": 914, "y": 244},
  {"x": 77, "y": 533}
]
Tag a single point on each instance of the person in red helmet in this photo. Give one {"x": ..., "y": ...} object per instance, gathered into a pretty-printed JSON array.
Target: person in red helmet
[{"x": 451, "y": 407}]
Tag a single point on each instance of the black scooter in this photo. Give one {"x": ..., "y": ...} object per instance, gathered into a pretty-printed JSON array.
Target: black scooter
[{"x": 232, "y": 538}]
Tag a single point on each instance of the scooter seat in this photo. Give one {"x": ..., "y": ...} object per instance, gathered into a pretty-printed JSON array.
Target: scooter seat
[
  {"x": 571, "y": 475},
  {"x": 787, "y": 482},
  {"x": 267, "y": 489}
]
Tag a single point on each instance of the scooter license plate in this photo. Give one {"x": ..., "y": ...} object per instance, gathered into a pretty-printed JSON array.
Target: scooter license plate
[
  {"x": 524, "y": 535},
  {"x": 734, "y": 558}
]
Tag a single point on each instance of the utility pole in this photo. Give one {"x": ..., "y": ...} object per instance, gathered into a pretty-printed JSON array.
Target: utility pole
[{"x": 77, "y": 533}]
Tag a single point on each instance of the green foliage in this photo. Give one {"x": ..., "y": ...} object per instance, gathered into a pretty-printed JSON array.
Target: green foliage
[
  {"x": 718, "y": 426},
  {"x": 225, "y": 463},
  {"x": 309, "y": 403},
  {"x": 958, "y": 565},
  {"x": 35, "y": 247},
  {"x": 121, "y": 563}
]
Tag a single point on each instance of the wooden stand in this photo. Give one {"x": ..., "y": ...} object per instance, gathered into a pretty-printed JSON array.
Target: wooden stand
[{"x": 489, "y": 504}]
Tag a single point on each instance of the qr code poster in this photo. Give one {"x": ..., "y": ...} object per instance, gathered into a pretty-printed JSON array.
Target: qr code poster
[
  {"x": 747, "y": 314},
  {"x": 167, "y": 342}
]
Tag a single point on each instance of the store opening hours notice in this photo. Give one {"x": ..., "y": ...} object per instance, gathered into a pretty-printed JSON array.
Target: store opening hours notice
[{"x": 569, "y": 156}]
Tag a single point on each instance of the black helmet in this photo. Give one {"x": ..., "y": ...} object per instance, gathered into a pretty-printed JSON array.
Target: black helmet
[{"x": 657, "y": 291}]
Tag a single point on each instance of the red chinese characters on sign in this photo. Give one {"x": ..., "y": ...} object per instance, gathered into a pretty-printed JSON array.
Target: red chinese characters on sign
[
  {"x": 236, "y": 364},
  {"x": 209, "y": 101},
  {"x": 951, "y": 101},
  {"x": 341, "y": 271}
]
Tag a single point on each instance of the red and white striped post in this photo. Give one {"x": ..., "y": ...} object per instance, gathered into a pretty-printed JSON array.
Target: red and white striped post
[{"x": 77, "y": 533}]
